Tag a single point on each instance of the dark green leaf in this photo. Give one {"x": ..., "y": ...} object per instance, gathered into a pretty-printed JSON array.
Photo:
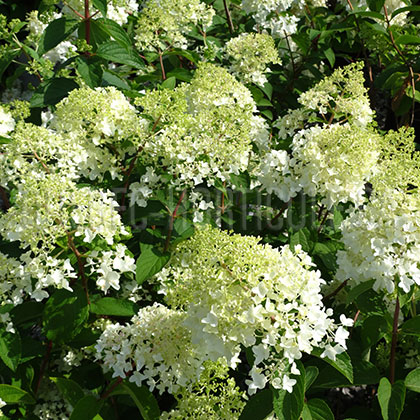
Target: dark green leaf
[
  {"x": 144, "y": 400},
  {"x": 330, "y": 56},
  {"x": 181, "y": 74},
  {"x": 358, "y": 290},
  {"x": 412, "y": 380},
  {"x": 113, "y": 307},
  {"x": 71, "y": 391},
  {"x": 57, "y": 31},
  {"x": 6, "y": 59},
  {"x": 408, "y": 39},
  {"x": 90, "y": 70},
  {"x": 52, "y": 92},
  {"x": 342, "y": 363},
  {"x": 27, "y": 311},
  {"x": 311, "y": 373},
  {"x": 373, "y": 329},
  {"x": 111, "y": 79},
  {"x": 391, "y": 399},
  {"x": 14, "y": 395},
  {"x": 376, "y": 5},
  {"x": 189, "y": 55},
  {"x": 405, "y": 9},
  {"x": 375, "y": 15},
  {"x": 114, "y": 30},
  {"x": 259, "y": 406},
  {"x": 112, "y": 51},
  {"x": 289, "y": 406},
  {"x": 301, "y": 237},
  {"x": 86, "y": 408},
  {"x": 101, "y": 5},
  {"x": 267, "y": 89},
  {"x": 150, "y": 262},
  {"x": 412, "y": 326},
  {"x": 10, "y": 349},
  {"x": 64, "y": 314},
  {"x": 319, "y": 410},
  {"x": 169, "y": 83}
]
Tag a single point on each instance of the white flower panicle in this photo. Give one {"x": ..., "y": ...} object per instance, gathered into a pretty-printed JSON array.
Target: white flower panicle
[
  {"x": 238, "y": 292},
  {"x": 206, "y": 130},
  {"x": 382, "y": 242},
  {"x": 7, "y": 123},
  {"x": 165, "y": 23},
  {"x": 154, "y": 348},
  {"x": 250, "y": 54}
]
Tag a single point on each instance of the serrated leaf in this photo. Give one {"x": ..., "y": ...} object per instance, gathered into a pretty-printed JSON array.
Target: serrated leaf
[
  {"x": 86, "y": 408},
  {"x": 101, "y": 5},
  {"x": 10, "y": 349},
  {"x": 112, "y": 51},
  {"x": 311, "y": 373},
  {"x": 289, "y": 405},
  {"x": 64, "y": 314},
  {"x": 259, "y": 406},
  {"x": 90, "y": 70},
  {"x": 150, "y": 262},
  {"x": 14, "y": 395},
  {"x": 52, "y": 92},
  {"x": 114, "y": 30},
  {"x": 57, "y": 31},
  {"x": 71, "y": 391},
  {"x": 113, "y": 307},
  {"x": 144, "y": 400},
  {"x": 391, "y": 399},
  {"x": 412, "y": 380},
  {"x": 319, "y": 410}
]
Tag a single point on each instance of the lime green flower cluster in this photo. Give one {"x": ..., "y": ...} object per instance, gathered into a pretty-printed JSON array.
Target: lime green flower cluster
[
  {"x": 250, "y": 54},
  {"x": 164, "y": 23},
  {"x": 205, "y": 129},
  {"x": 215, "y": 396}
]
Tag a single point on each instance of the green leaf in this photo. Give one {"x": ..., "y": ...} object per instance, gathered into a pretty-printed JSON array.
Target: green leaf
[
  {"x": 319, "y": 410},
  {"x": 391, "y": 399},
  {"x": 181, "y": 74},
  {"x": 412, "y": 380},
  {"x": 5, "y": 140},
  {"x": 64, "y": 314},
  {"x": 373, "y": 329},
  {"x": 375, "y": 5},
  {"x": 412, "y": 326},
  {"x": 57, "y": 31},
  {"x": 405, "y": 9},
  {"x": 111, "y": 79},
  {"x": 114, "y": 30},
  {"x": 342, "y": 363},
  {"x": 52, "y": 92},
  {"x": 289, "y": 406},
  {"x": 358, "y": 290},
  {"x": 27, "y": 311},
  {"x": 144, "y": 400},
  {"x": 90, "y": 70},
  {"x": 6, "y": 59},
  {"x": 150, "y": 262},
  {"x": 301, "y": 237},
  {"x": 112, "y": 51},
  {"x": 407, "y": 40},
  {"x": 259, "y": 406},
  {"x": 86, "y": 408},
  {"x": 330, "y": 56},
  {"x": 10, "y": 349},
  {"x": 71, "y": 391},
  {"x": 267, "y": 89},
  {"x": 101, "y": 5},
  {"x": 113, "y": 307},
  {"x": 169, "y": 83},
  {"x": 311, "y": 373},
  {"x": 375, "y": 15},
  {"x": 14, "y": 395},
  {"x": 189, "y": 55}
]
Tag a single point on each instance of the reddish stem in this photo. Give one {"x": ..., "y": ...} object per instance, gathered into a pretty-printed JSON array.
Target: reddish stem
[
  {"x": 394, "y": 342},
  {"x": 228, "y": 17},
  {"x": 333, "y": 293},
  {"x": 43, "y": 366},
  {"x": 107, "y": 392},
  {"x": 5, "y": 199},
  {"x": 171, "y": 222}
]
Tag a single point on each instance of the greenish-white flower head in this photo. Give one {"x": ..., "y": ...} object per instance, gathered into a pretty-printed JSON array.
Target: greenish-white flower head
[
  {"x": 205, "y": 128},
  {"x": 7, "y": 122},
  {"x": 382, "y": 242},
  {"x": 327, "y": 161},
  {"x": 165, "y": 23},
  {"x": 239, "y": 292},
  {"x": 215, "y": 396},
  {"x": 155, "y": 348},
  {"x": 250, "y": 54}
]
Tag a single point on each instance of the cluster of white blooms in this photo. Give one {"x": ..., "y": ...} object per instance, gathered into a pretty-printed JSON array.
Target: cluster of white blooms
[
  {"x": 141, "y": 191},
  {"x": 215, "y": 397},
  {"x": 329, "y": 133},
  {"x": 206, "y": 129},
  {"x": 390, "y": 5},
  {"x": 164, "y": 23},
  {"x": 6, "y": 320},
  {"x": 7, "y": 122},
  {"x": 278, "y": 16},
  {"x": 382, "y": 242},
  {"x": 117, "y": 10},
  {"x": 2, "y": 404},
  {"x": 155, "y": 348},
  {"x": 237, "y": 292},
  {"x": 37, "y": 24},
  {"x": 250, "y": 54},
  {"x": 51, "y": 405}
]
